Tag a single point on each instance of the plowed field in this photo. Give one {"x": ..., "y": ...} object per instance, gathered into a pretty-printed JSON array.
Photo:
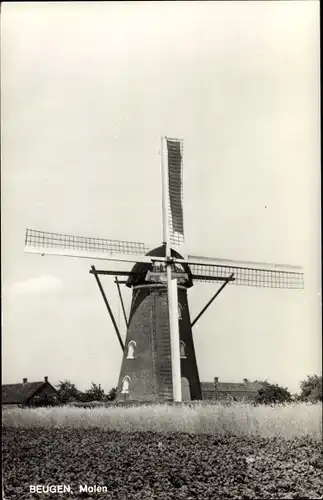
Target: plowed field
[{"x": 163, "y": 466}]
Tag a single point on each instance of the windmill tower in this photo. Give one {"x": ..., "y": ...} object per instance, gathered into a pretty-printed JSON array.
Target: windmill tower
[{"x": 159, "y": 361}]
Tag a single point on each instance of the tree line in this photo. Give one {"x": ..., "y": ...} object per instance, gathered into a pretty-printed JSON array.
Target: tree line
[
  {"x": 311, "y": 391},
  {"x": 68, "y": 392},
  {"x": 268, "y": 393}
]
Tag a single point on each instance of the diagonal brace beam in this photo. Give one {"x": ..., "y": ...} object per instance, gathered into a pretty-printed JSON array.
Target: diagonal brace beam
[
  {"x": 121, "y": 300},
  {"x": 116, "y": 273},
  {"x": 108, "y": 306},
  {"x": 230, "y": 278}
]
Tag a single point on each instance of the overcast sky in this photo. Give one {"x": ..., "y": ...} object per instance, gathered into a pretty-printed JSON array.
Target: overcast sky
[{"x": 87, "y": 90}]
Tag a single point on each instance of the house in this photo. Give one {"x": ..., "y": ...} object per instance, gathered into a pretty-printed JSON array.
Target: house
[
  {"x": 236, "y": 391},
  {"x": 28, "y": 393}
]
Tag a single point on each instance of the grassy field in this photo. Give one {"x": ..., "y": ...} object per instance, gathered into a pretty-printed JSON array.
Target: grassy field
[
  {"x": 288, "y": 421},
  {"x": 165, "y": 452}
]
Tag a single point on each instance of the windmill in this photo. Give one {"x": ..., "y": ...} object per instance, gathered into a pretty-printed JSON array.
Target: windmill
[{"x": 159, "y": 361}]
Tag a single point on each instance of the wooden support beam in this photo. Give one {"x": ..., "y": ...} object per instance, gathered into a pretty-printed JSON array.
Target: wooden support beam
[
  {"x": 115, "y": 273},
  {"x": 230, "y": 278},
  {"x": 121, "y": 300},
  {"x": 204, "y": 277},
  {"x": 108, "y": 307}
]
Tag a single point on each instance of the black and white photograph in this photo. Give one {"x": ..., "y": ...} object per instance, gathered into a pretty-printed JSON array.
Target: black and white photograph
[{"x": 161, "y": 250}]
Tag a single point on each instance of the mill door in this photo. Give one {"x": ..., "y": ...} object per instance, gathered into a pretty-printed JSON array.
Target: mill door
[{"x": 186, "y": 393}]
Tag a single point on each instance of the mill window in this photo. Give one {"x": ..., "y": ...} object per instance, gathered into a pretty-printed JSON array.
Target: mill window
[
  {"x": 131, "y": 349},
  {"x": 182, "y": 349},
  {"x": 125, "y": 385}
]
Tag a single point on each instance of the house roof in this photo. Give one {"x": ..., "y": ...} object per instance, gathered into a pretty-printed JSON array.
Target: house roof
[
  {"x": 238, "y": 387},
  {"x": 231, "y": 386},
  {"x": 20, "y": 393}
]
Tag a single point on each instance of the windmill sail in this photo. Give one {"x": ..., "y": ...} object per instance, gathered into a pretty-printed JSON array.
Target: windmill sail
[
  {"x": 175, "y": 190},
  {"x": 47, "y": 243},
  {"x": 160, "y": 283},
  {"x": 258, "y": 274}
]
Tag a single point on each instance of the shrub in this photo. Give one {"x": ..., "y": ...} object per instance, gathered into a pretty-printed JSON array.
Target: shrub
[
  {"x": 112, "y": 394},
  {"x": 44, "y": 400},
  {"x": 67, "y": 391},
  {"x": 272, "y": 394},
  {"x": 95, "y": 393},
  {"x": 311, "y": 388}
]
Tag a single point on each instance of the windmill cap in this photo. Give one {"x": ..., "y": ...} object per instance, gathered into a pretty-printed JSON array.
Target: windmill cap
[{"x": 142, "y": 268}]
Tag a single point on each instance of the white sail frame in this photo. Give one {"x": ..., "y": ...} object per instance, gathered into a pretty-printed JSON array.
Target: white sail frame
[{"x": 93, "y": 254}]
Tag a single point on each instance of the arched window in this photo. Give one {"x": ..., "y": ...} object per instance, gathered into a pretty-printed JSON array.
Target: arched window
[
  {"x": 131, "y": 349},
  {"x": 125, "y": 385},
  {"x": 179, "y": 311},
  {"x": 182, "y": 349},
  {"x": 186, "y": 392}
]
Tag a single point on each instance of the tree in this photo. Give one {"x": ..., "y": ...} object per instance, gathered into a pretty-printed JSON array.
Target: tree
[
  {"x": 67, "y": 391},
  {"x": 272, "y": 394},
  {"x": 311, "y": 388},
  {"x": 95, "y": 393},
  {"x": 111, "y": 394}
]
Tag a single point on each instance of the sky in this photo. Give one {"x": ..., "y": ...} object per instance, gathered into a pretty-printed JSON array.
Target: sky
[{"x": 87, "y": 91}]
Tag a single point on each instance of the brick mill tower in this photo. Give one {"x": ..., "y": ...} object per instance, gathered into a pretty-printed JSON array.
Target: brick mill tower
[
  {"x": 159, "y": 362},
  {"x": 146, "y": 370}
]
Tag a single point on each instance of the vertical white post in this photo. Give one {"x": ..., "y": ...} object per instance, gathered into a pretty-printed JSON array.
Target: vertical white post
[{"x": 174, "y": 335}]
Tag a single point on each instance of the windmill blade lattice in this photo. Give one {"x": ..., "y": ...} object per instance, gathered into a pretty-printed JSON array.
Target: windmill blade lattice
[
  {"x": 175, "y": 189},
  {"x": 40, "y": 239},
  {"x": 268, "y": 278}
]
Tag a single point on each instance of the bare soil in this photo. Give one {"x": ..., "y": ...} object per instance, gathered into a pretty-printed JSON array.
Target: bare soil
[{"x": 147, "y": 465}]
